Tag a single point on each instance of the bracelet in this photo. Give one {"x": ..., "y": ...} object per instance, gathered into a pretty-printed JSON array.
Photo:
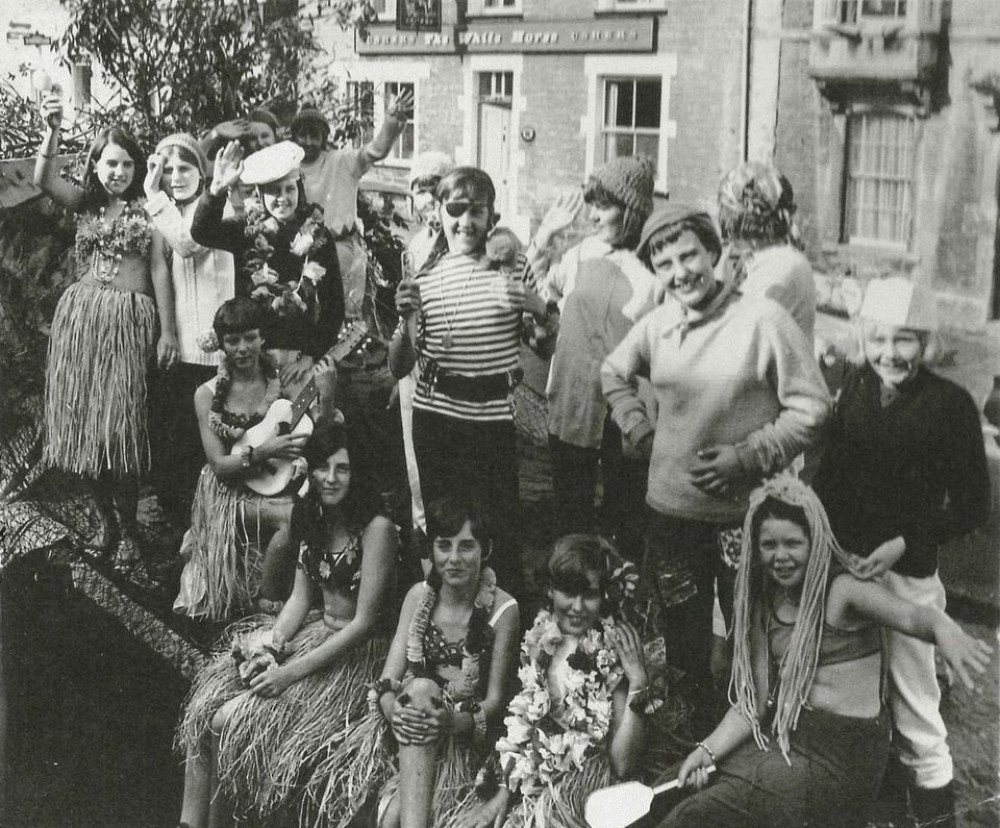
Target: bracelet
[
  {"x": 707, "y": 750},
  {"x": 247, "y": 457},
  {"x": 379, "y": 689}
]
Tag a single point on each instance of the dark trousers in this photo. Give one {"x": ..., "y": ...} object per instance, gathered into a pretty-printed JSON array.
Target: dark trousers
[
  {"x": 574, "y": 484},
  {"x": 682, "y": 565},
  {"x": 477, "y": 459},
  {"x": 176, "y": 452}
]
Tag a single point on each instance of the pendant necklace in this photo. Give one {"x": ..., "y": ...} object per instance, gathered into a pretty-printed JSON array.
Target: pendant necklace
[{"x": 447, "y": 340}]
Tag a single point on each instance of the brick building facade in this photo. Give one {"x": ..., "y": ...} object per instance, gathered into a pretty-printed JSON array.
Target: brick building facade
[{"x": 883, "y": 113}]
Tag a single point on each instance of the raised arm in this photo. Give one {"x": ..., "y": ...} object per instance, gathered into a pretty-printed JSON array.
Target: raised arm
[
  {"x": 208, "y": 227},
  {"x": 403, "y": 347},
  {"x": 166, "y": 218},
  {"x": 396, "y": 113},
  {"x": 377, "y": 569},
  {"x": 46, "y": 175}
]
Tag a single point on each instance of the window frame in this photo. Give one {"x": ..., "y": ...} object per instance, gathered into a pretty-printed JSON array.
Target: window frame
[
  {"x": 392, "y": 159},
  {"x": 478, "y": 8},
  {"x": 849, "y": 202},
  {"x": 630, "y": 6},
  {"x": 635, "y": 131},
  {"x": 389, "y": 15}
]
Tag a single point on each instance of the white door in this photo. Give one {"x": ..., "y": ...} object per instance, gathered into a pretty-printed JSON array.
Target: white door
[{"x": 494, "y": 150}]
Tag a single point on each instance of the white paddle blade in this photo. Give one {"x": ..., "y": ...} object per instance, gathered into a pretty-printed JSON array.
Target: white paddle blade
[{"x": 618, "y": 806}]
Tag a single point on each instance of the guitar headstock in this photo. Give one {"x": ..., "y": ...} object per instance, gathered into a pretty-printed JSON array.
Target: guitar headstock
[{"x": 352, "y": 337}]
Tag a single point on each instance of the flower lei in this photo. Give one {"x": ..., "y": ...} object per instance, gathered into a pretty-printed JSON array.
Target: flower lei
[
  {"x": 538, "y": 747},
  {"x": 217, "y": 411},
  {"x": 128, "y": 234},
  {"x": 478, "y": 639},
  {"x": 285, "y": 298}
]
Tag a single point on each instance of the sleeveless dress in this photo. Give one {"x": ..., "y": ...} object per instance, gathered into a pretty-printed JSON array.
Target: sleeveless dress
[{"x": 272, "y": 749}]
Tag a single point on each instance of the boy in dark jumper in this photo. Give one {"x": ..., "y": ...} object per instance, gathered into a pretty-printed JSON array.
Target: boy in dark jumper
[{"x": 904, "y": 470}]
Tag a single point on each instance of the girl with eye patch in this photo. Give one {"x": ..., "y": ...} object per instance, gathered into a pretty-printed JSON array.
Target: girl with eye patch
[{"x": 460, "y": 323}]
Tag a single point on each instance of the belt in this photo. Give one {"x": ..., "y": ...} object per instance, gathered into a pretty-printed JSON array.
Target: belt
[{"x": 483, "y": 388}]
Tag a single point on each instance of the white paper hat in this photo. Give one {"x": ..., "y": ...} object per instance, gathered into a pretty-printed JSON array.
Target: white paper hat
[
  {"x": 897, "y": 301},
  {"x": 272, "y": 163}
]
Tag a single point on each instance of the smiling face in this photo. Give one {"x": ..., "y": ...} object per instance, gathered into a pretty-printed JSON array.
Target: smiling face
[
  {"x": 458, "y": 558},
  {"x": 465, "y": 224},
  {"x": 281, "y": 198},
  {"x": 261, "y": 135},
  {"x": 311, "y": 139},
  {"x": 784, "y": 553},
  {"x": 685, "y": 270},
  {"x": 242, "y": 348},
  {"x": 608, "y": 221},
  {"x": 181, "y": 179},
  {"x": 332, "y": 479},
  {"x": 894, "y": 353},
  {"x": 115, "y": 169},
  {"x": 577, "y": 611}
]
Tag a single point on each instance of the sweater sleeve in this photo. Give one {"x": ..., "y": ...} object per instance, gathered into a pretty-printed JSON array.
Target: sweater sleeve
[
  {"x": 619, "y": 381},
  {"x": 167, "y": 219},
  {"x": 210, "y": 229},
  {"x": 801, "y": 392},
  {"x": 963, "y": 471}
]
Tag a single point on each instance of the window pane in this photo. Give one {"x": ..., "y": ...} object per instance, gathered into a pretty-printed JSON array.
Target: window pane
[
  {"x": 883, "y": 8},
  {"x": 648, "y": 146},
  {"x": 618, "y": 100},
  {"x": 647, "y": 103}
]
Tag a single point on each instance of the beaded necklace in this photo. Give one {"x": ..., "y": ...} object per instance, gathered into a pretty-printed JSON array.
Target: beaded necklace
[
  {"x": 106, "y": 243},
  {"x": 239, "y": 423}
]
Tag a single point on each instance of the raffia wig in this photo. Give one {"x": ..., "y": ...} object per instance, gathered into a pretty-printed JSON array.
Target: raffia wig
[{"x": 798, "y": 667}]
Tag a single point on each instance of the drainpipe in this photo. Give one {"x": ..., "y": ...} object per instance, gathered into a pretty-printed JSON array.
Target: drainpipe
[{"x": 745, "y": 82}]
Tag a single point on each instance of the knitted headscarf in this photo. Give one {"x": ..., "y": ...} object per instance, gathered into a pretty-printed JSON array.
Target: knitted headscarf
[
  {"x": 311, "y": 116},
  {"x": 629, "y": 183},
  {"x": 798, "y": 666},
  {"x": 757, "y": 204},
  {"x": 262, "y": 116},
  {"x": 186, "y": 142}
]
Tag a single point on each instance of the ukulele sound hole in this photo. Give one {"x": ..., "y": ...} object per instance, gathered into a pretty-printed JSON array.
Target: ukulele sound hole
[{"x": 284, "y": 428}]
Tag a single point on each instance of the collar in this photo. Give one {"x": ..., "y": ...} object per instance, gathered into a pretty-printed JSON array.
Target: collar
[{"x": 686, "y": 318}]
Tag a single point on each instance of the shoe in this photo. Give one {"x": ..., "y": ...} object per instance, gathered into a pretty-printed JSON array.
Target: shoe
[{"x": 934, "y": 806}]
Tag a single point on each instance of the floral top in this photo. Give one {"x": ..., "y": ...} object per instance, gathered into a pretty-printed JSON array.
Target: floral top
[
  {"x": 291, "y": 267},
  {"x": 334, "y": 569},
  {"x": 129, "y": 234}
]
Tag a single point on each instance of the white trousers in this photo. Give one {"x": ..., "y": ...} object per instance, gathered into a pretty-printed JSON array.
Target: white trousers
[
  {"x": 407, "y": 388},
  {"x": 915, "y": 694}
]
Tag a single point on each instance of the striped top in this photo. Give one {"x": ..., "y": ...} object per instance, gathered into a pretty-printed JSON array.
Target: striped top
[{"x": 468, "y": 328}]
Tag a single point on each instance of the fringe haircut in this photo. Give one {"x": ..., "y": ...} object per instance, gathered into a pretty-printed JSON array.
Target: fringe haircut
[{"x": 798, "y": 666}]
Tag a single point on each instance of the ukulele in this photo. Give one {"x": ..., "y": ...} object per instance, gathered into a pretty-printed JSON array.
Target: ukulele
[{"x": 289, "y": 417}]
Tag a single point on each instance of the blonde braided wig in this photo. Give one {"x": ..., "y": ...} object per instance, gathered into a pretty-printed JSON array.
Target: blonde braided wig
[{"x": 798, "y": 666}]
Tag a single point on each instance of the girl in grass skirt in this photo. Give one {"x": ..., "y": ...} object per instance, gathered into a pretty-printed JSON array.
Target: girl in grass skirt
[
  {"x": 263, "y": 716},
  {"x": 104, "y": 333},
  {"x": 579, "y": 719},
  {"x": 442, "y": 688}
]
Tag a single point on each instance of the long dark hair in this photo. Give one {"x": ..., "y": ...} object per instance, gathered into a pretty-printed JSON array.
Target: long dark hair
[
  {"x": 94, "y": 194},
  {"x": 361, "y": 504}
]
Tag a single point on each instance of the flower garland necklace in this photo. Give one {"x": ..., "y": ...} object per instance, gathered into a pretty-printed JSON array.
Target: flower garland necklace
[
  {"x": 217, "y": 414},
  {"x": 291, "y": 297},
  {"x": 106, "y": 243},
  {"x": 541, "y": 744},
  {"x": 477, "y": 640}
]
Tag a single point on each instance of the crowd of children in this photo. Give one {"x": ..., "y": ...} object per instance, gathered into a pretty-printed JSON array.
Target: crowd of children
[{"x": 682, "y": 379}]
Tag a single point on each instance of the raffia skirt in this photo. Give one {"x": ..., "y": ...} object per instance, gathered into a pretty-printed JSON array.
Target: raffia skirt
[
  {"x": 100, "y": 348},
  {"x": 364, "y": 764},
  {"x": 222, "y": 550},
  {"x": 271, "y": 749}
]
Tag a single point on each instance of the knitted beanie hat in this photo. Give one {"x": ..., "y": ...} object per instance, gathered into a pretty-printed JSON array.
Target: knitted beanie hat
[
  {"x": 630, "y": 180},
  {"x": 187, "y": 142},
  {"x": 262, "y": 116},
  {"x": 311, "y": 116},
  {"x": 430, "y": 165},
  {"x": 672, "y": 214}
]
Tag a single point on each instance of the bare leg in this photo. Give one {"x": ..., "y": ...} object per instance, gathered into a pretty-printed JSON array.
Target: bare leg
[
  {"x": 220, "y": 809},
  {"x": 417, "y": 764},
  {"x": 278, "y": 569},
  {"x": 104, "y": 498},
  {"x": 199, "y": 778},
  {"x": 126, "y": 497}
]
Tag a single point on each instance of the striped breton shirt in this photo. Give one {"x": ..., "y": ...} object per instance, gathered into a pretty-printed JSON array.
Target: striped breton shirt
[{"x": 466, "y": 329}]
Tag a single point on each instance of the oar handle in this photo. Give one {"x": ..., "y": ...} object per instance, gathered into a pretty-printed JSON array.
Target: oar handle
[{"x": 673, "y": 783}]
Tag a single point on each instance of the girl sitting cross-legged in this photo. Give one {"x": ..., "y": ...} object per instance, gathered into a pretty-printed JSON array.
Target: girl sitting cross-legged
[{"x": 256, "y": 732}]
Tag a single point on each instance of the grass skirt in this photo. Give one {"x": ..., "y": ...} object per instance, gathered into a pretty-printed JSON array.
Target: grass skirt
[
  {"x": 223, "y": 566},
  {"x": 364, "y": 764},
  {"x": 100, "y": 347},
  {"x": 271, "y": 749}
]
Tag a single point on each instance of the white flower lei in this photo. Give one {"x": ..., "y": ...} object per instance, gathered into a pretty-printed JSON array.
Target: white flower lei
[{"x": 536, "y": 748}]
